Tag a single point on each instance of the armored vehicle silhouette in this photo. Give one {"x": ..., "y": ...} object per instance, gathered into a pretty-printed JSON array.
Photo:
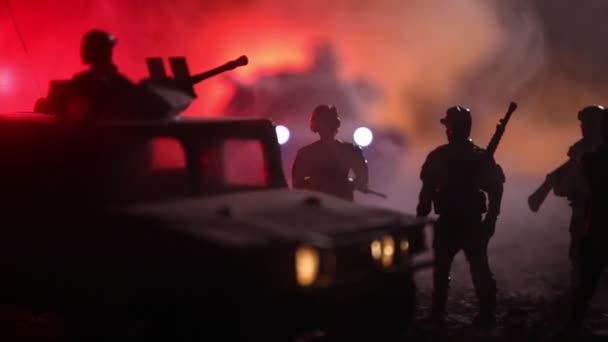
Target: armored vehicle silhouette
[{"x": 180, "y": 227}]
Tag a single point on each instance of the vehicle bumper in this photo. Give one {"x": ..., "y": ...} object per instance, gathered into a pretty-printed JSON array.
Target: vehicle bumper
[{"x": 380, "y": 301}]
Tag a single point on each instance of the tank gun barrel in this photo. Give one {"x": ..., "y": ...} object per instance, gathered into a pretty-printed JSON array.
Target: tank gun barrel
[
  {"x": 241, "y": 61},
  {"x": 178, "y": 91}
]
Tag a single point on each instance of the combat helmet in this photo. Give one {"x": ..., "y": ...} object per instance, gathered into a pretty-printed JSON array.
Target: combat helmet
[
  {"x": 457, "y": 116},
  {"x": 592, "y": 112},
  {"x": 324, "y": 116},
  {"x": 97, "y": 46}
]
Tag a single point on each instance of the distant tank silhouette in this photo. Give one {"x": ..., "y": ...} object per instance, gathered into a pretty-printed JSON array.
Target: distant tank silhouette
[{"x": 288, "y": 97}]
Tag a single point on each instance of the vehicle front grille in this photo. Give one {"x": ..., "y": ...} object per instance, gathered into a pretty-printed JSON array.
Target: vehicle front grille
[{"x": 354, "y": 259}]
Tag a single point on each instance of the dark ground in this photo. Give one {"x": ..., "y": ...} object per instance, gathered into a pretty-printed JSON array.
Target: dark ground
[{"x": 528, "y": 255}]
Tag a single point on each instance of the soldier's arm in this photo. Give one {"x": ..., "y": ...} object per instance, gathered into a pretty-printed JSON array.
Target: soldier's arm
[
  {"x": 425, "y": 200},
  {"x": 564, "y": 178},
  {"x": 298, "y": 174},
  {"x": 425, "y": 197},
  {"x": 360, "y": 169},
  {"x": 494, "y": 189}
]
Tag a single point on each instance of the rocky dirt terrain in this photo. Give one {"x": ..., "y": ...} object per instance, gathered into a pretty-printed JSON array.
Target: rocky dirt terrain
[
  {"x": 529, "y": 258},
  {"x": 528, "y": 255}
]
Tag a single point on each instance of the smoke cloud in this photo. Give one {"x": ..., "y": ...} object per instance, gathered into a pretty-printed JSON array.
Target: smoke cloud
[{"x": 424, "y": 56}]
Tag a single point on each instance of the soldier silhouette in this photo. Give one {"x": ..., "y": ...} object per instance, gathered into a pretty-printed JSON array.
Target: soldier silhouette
[
  {"x": 96, "y": 88},
  {"x": 325, "y": 165},
  {"x": 455, "y": 180},
  {"x": 592, "y": 256},
  {"x": 569, "y": 181},
  {"x": 102, "y": 91}
]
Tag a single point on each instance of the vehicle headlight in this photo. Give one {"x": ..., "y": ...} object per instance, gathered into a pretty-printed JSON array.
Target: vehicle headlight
[
  {"x": 388, "y": 250},
  {"x": 363, "y": 136},
  {"x": 282, "y": 134},
  {"x": 376, "y": 250},
  {"x": 383, "y": 250},
  {"x": 405, "y": 246},
  {"x": 307, "y": 262}
]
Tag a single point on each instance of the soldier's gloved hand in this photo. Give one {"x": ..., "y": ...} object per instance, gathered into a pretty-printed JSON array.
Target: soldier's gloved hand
[{"x": 489, "y": 225}]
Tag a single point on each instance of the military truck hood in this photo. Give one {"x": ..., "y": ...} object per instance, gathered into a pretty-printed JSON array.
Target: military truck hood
[{"x": 258, "y": 217}]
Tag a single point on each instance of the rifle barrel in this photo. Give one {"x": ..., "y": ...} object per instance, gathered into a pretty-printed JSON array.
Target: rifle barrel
[
  {"x": 538, "y": 197},
  {"x": 372, "y": 192},
  {"x": 500, "y": 130}
]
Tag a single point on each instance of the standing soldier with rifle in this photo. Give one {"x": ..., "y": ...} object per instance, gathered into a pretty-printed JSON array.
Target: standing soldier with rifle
[
  {"x": 455, "y": 180},
  {"x": 568, "y": 181},
  {"x": 325, "y": 164},
  {"x": 593, "y": 255}
]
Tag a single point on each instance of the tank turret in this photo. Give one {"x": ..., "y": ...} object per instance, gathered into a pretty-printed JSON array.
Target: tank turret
[{"x": 113, "y": 95}]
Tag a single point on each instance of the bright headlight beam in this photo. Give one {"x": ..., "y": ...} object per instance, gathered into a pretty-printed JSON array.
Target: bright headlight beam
[
  {"x": 405, "y": 245},
  {"x": 282, "y": 134},
  {"x": 363, "y": 136},
  {"x": 388, "y": 250},
  {"x": 307, "y": 265},
  {"x": 376, "y": 249}
]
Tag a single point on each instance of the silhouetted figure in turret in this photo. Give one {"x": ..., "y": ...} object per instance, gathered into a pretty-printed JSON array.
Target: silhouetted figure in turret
[
  {"x": 324, "y": 165},
  {"x": 102, "y": 91},
  {"x": 455, "y": 180}
]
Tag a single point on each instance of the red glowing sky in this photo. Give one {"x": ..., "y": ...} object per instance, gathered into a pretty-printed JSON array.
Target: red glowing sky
[
  {"x": 420, "y": 53},
  {"x": 52, "y": 34},
  {"x": 393, "y": 44}
]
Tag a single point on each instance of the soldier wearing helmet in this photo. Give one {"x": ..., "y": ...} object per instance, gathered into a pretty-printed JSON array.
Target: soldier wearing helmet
[
  {"x": 324, "y": 165},
  {"x": 96, "y": 49},
  {"x": 102, "y": 91},
  {"x": 592, "y": 256},
  {"x": 569, "y": 182},
  {"x": 461, "y": 185}
]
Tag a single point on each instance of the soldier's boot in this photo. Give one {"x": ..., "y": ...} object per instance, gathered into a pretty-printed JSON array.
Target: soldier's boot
[
  {"x": 486, "y": 318},
  {"x": 585, "y": 284},
  {"x": 485, "y": 290},
  {"x": 575, "y": 260},
  {"x": 441, "y": 286},
  {"x": 443, "y": 256}
]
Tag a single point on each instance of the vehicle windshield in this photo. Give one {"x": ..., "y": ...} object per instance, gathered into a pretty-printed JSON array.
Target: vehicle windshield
[
  {"x": 164, "y": 167},
  {"x": 119, "y": 168}
]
